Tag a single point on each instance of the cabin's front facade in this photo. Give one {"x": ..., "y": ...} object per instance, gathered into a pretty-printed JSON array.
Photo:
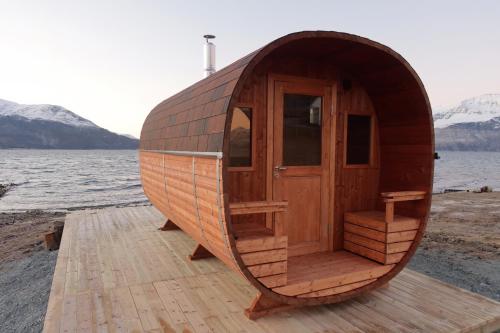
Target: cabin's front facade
[{"x": 306, "y": 166}]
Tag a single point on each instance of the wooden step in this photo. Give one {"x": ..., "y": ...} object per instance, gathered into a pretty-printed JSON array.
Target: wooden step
[
  {"x": 265, "y": 257},
  {"x": 254, "y": 243}
]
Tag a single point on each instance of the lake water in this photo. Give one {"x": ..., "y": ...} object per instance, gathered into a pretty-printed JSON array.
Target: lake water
[
  {"x": 467, "y": 170},
  {"x": 64, "y": 179}
]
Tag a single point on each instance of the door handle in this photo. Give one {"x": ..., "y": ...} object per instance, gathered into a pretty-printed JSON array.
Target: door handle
[{"x": 280, "y": 168}]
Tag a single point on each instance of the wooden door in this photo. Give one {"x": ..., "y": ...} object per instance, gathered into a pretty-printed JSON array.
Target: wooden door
[{"x": 300, "y": 168}]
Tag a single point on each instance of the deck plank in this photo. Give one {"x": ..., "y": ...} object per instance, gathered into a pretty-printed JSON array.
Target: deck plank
[{"x": 117, "y": 272}]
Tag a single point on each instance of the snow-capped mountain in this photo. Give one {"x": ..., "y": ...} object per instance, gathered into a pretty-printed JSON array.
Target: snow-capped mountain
[
  {"x": 477, "y": 109},
  {"x": 473, "y": 125},
  {"x": 47, "y": 126},
  {"x": 43, "y": 112}
]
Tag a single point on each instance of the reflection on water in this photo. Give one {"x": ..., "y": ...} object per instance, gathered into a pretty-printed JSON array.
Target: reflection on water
[{"x": 61, "y": 179}]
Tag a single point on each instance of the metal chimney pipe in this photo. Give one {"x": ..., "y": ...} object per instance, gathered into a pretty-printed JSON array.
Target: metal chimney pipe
[{"x": 209, "y": 55}]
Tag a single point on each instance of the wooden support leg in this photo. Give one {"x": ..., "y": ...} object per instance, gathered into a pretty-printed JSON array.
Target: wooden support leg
[
  {"x": 200, "y": 253},
  {"x": 262, "y": 306},
  {"x": 169, "y": 225},
  {"x": 53, "y": 239},
  {"x": 385, "y": 286}
]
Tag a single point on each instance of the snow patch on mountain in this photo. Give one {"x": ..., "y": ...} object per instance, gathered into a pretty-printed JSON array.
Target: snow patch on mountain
[
  {"x": 46, "y": 112},
  {"x": 477, "y": 109}
]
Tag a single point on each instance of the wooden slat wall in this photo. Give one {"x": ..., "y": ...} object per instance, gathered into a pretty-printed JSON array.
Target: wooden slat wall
[
  {"x": 355, "y": 188},
  {"x": 407, "y": 166},
  {"x": 153, "y": 180},
  {"x": 249, "y": 185},
  {"x": 184, "y": 188}
]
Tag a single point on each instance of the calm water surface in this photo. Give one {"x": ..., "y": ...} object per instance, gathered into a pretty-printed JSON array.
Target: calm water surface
[
  {"x": 466, "y": 170},
  {"x": 63, "y": 179}
]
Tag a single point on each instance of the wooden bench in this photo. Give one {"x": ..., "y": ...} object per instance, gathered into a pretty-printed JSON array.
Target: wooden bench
[
  {"x": 264, "y": 253},
  {"x": 244, "y": 232},
  {"x": 391, "y": 197},
  {"x": 382, "y": 236},
  {"x": 257, "y": 207}
]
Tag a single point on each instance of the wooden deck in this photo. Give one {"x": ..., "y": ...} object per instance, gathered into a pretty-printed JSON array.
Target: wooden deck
[{"x": 117, "y": 272}]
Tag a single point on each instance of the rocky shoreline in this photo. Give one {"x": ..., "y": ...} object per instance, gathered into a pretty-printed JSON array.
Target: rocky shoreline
[
  {"x": 21, "y": 234},
  {"x": 26, "y": 269},
  {"x": 461, "y": 246},
  {"x": 4, "y": 188}
]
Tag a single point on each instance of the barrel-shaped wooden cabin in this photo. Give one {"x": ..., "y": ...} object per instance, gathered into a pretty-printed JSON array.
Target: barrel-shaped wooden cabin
[{"x": 306, "y": 166}]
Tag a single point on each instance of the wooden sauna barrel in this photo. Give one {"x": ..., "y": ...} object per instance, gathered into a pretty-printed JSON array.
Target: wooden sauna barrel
[{"x": 185, "y": 171}]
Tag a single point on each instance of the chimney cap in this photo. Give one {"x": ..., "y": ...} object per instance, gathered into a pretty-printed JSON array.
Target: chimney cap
[{"x": 207, "y": 37}]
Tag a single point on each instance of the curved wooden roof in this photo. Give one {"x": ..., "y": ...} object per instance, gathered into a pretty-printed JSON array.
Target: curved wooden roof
[{"x": 195, "y": 118}]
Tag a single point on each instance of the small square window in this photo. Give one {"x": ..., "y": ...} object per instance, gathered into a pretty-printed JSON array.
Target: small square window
[
  {"x": 240, "y": 142},
  {"x": 358, "y": 139}
]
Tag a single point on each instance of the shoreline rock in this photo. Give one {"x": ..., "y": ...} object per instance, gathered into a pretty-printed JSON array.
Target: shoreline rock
[{"x": 4, "y": 188}]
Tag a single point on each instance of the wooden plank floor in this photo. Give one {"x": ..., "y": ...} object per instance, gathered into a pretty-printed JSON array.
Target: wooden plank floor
[{"x": 116, "y": 272}]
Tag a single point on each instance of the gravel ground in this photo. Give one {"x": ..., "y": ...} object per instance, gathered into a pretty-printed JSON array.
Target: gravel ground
[
  {"x": 461, "y": 245},
  {"x": 26, "y": 269},
  {"x": 24, "y": 292},
  {"x": 481, "y": 276}
]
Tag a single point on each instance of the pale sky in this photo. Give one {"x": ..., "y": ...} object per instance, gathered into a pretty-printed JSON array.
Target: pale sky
[{"x": 113, "y": 61}]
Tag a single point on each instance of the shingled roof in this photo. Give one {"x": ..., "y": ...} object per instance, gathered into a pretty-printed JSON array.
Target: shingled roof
[{"x": 195, "y": 118}]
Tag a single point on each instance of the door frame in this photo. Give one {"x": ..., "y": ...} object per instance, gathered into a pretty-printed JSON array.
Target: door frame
[{"x": 329, "y": 172}]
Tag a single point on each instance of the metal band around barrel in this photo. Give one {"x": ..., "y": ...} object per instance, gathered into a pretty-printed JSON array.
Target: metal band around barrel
[
  {"x": 196, "y": 204},
  {"x": 213, "y": 154},
  {"x": 165, "y": 181},
  {"x": 219, "y": 208}
]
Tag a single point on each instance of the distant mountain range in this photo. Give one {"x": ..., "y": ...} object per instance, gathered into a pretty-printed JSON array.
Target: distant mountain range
[
  {"x": 472, "y": 125},
  {"x": 45, "y": 126}
]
